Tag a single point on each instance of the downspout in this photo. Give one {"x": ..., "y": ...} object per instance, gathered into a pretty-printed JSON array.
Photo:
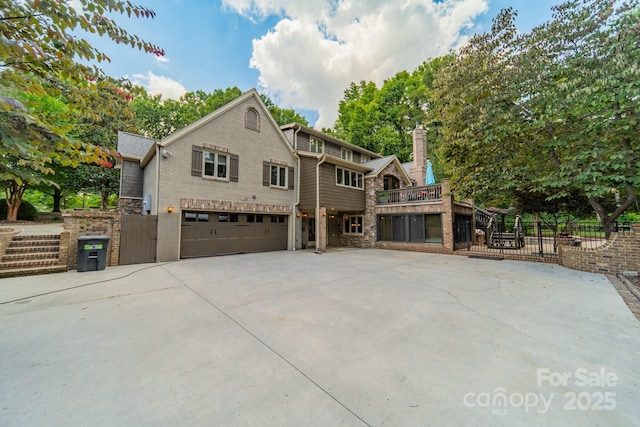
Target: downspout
[
  {"x": 157, "y": 196},
  {"x": 298, "y": 164},
  {"x": 321, "y": 160}
]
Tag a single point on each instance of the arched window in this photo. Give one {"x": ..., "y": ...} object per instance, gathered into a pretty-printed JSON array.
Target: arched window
[
  {"x": 252, "y": 119},
  {"x": 391, "y": 182}
]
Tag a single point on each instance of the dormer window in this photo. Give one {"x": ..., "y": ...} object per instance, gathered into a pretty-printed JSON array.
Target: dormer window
[
  {"x": 252, "y": 119},
  {"x": 346, "y": 154},
  {"x": 316, "y": 145}
]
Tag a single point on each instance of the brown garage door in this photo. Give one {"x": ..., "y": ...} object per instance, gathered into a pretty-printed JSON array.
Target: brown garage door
[{"x": 221, "y": 233}]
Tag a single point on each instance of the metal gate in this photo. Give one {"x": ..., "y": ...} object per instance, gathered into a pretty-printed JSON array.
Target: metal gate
[
  {"x": 138, "y": 238},
  {"x": 529, "y": 240}
]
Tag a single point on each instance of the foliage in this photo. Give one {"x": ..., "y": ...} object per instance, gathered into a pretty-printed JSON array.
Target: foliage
[
  {"x": 157, "y": 117},
  {"x": 382, "y": 119},
  {"x": 283, "y": 116},
  {"x": 549, "y": 114},
  {"x": 41, "y": 54},
  {"x": 26, "y": 211},
  {"x": 103, "y": 130}
]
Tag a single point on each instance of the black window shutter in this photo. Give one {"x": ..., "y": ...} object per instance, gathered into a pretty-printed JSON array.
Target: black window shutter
[
  {"x": 266, "y": 174},
  {"x": 196, "y": 160},
  {"x": 233, "y": 172},
  {"x": 291, "y": 178}
]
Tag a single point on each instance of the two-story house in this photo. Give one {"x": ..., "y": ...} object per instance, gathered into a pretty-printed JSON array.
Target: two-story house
[
  {"x": 223, "y": 184},
  {"x": 235, "y": 182}
]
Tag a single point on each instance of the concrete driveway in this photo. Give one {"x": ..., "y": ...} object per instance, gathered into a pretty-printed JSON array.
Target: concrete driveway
[{"x": 353, "y": 338}]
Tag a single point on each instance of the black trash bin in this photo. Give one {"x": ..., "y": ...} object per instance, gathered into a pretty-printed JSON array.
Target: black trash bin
[{"x": 92, "y": 252}]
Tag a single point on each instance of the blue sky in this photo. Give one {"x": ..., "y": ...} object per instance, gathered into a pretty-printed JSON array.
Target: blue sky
[{"x": 301, "y": 53}]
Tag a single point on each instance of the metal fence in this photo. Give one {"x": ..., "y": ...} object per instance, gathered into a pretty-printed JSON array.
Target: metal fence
[{"x": 530, "y": 239}]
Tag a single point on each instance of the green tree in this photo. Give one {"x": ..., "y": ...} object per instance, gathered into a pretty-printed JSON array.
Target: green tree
[
  {"x": 103, "y": 130},
  {"x": 283, "y": 116},
  {"x": 552, "y": 113},
  {"x": 382, "y": 119},
  {"x": 157, "y": 117},
  {"x": 41, "y": 53}
]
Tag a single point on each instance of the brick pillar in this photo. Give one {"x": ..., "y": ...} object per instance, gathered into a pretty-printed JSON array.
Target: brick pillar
[
  {"x": 321, "y": 235},
  {"x": 87, "y": 223},
  {"x": 447, "y": 217},
  {"x": 418, "y": 171},
  {"x": 63, "y": 255}
]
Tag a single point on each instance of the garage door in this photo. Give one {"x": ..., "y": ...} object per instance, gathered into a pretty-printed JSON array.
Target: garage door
[{"x": 221, "y": 233}]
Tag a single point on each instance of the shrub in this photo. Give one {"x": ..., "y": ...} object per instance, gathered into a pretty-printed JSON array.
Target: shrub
[{"x": 26, "y": 211}]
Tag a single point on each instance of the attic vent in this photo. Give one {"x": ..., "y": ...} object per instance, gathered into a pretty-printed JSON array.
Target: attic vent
[{"x": 252, "y": 119}]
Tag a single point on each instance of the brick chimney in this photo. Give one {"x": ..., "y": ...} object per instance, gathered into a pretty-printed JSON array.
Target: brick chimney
[{"x": 419, "y": 170}]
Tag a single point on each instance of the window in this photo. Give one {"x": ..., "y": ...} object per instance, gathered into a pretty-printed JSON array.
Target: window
[
  {"x": 277, "y": 219},
  {"x": 391, "y": 182},
  {"x": 346, "y": 154},
  {"x": 252, "y": 119},
  {"x": 353, "y": 224},
  {"x": 364, "y": 158},
  {"x": 215, "y": 165},
  {"x": 278, "y": 176},
  {"x": 410, "y": 228},
  {"x": 255, "y": 218},
  {"x": 347, "y": 178},
  {"x": 316, "y": 145}
]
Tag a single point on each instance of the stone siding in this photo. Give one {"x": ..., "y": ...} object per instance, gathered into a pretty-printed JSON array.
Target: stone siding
[
  {"x": 90, "y": 223},
  {"x": 130, "y": 205},
  {"x": 621, "y": 253}
]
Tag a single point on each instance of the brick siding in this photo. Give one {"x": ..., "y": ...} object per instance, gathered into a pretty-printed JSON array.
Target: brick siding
[{"x": 90, "y": 223}]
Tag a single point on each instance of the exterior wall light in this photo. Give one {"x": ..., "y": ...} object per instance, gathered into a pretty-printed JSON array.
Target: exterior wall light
[{"x": 170, "y": 209}]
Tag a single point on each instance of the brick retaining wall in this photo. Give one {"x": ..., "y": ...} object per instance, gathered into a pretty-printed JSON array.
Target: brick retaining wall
[{"x": 620, "y": 253}]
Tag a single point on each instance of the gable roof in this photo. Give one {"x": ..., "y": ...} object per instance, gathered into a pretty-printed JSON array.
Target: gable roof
[
  {"x": 378, "y": 165},
  {"x": 326, "y": 137},
  {"x": 407, "y": 167},
  {"x": 173, "y": 137},
  {"x": 133, "y": 146}
]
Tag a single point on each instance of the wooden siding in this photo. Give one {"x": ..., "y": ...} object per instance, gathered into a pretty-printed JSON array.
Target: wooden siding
[
  {"x": 336, "y": 197},
  {"x": 132, "y": 175},
  {"x": 289, "y": 134},
  {"x": 307, "y": 183},
  {"x": 331, "y": 149},
  {"x": 331, "y": 195},
  {"x": 303, "y": 141}
]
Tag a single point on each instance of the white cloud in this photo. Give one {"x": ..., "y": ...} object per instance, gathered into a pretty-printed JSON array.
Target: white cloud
[
  {"x": 165, "y": 86},
  {"x": 161, "y": 60},
  {"x": 319, "y": 47}
]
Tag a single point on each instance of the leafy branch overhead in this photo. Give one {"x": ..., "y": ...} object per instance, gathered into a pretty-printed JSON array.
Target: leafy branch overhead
[
  {"x": 43, "y": 55},
  {"x": 552, "y": 113}
]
